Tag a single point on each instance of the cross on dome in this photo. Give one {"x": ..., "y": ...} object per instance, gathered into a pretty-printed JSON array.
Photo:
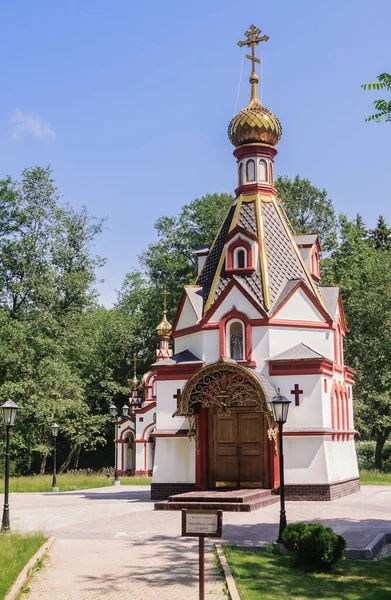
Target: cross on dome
[{"x": 253, "y": 40}]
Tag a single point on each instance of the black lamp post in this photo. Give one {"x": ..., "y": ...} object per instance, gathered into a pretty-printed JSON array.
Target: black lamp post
[
  {"x": 114, "y": 415},
  {"x": 54, "y": 427},
  {"x": 280, "y": 408},
  {"x": 9, "y": 410}
]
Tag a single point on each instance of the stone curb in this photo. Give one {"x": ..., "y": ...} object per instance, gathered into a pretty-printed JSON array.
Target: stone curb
[
  {"x": 371, "y": 550},
  {"x": 232, "y": 589},
  {"x": 23, "y": 575}
]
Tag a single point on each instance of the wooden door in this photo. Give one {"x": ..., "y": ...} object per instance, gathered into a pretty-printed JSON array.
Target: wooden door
[{"x": 238, "y": 450}]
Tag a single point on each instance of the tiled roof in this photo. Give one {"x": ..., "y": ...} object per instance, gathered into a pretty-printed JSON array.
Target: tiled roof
[
  {"x": 282, "y": 259},
  {"x": 195, "y": 297},
  {"x": 247, "y": 217},
  {"x": 182, "y": 357},
  {"x": 267, "y": 386},
  {"x": 298, "y": 352},
  {"x": 330, "y": 297},
  {"x": 207, "y": 274}
]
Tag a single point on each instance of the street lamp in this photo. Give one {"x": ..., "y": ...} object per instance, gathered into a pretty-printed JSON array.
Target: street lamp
[
  {"x": 114, "y": 415},
  {"x": 54, "y": 428},
  {"x": 280, "y": 408},
  {"x": 9, "y": 410}
]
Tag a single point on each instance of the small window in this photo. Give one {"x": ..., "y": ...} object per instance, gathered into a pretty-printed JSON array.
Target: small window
[
  {"x": 240, "y": 173},
  {"x": 250, "y": 170},
  {"x": 236, "y": 341},
  {"x": 241, "y": 259},
  {"x": 262, "y": 170}
]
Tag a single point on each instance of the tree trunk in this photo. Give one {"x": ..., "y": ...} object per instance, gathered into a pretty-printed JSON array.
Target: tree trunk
[
  {"x": 65, "y": 465},
  {"x": 77, "y": 457},
  {"x": 43, "y": 464},
  {"x": 381, "y": 439}
]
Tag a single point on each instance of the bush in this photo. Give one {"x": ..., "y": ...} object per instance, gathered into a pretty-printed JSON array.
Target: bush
[
  {"x": 366, "y": 456},
  {"x": 313, "y": 545}
]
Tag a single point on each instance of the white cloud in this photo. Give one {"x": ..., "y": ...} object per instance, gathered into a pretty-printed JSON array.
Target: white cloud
[{"x": 30, "y": 124}]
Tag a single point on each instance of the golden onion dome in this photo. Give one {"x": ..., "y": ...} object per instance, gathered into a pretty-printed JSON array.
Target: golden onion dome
[
  {"x": 255, "y": 124},
  {"x": 164, "y": 327}
]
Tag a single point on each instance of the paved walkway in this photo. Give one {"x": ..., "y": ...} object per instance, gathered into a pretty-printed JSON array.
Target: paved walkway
[{"x": 111, "y": 544}]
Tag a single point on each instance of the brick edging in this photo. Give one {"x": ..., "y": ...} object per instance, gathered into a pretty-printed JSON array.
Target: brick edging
[
  {"x": 161, "y": 491},
  {"x": 322, "y": 491},
  {"x": 23, "y": 575},
  {"x": 230, "y": 581}
]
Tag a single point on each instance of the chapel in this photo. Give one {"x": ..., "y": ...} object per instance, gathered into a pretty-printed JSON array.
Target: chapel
[{"x": 256, "y": 321}]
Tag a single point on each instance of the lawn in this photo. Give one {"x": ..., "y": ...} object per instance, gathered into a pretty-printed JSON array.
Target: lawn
[
  {"x": 374, "y": 477},
  {"x": 15, "y": 551},
  {"x": 261, "y": 575},
  {"x": 69, "y": 482}
]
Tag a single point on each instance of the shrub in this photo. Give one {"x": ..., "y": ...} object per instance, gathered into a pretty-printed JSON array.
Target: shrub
[
  {"x": 366, "y": 456},
  {"x": 314, "y": 546}
]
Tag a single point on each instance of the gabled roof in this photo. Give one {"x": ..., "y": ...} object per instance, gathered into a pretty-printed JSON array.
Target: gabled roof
[
  {"x": 194, "y": 293},
  {"x": 181, "y": 358},
  {"x": 305, "y": 240},
  {"x": 298, "y": 352},
  {"x": 330, "y": 297}
]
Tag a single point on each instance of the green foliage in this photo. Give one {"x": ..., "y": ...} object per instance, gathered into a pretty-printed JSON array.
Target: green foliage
[
  {"x": 16, "y": 549},
  {"x": 383, "y": 107},
  {"x": 374, "y": 477},
  {"x": 309, "y": 209},
  {"x": 169, "y": 263},
  {"x": 366, "y": 456},
  {"x": 363, "y": 274},
  {"x": 82, "y": 479},
  {"x": 259, "y": 575},
  {"x": 314, "y": 546}
]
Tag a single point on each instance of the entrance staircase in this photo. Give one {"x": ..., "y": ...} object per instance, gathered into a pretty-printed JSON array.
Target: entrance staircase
[{"x": 229, "y": 501}]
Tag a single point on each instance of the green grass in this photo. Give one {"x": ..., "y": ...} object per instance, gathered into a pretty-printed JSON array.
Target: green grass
[
  {"x": 15, "y": 551},
  {"x": 374, "y": 477},
  {"x": 263, "y": 576},
  {"x": 70, "y": 482}
]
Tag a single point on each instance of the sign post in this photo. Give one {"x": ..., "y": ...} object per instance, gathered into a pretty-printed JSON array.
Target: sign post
[{"x": 202, "y": 524}]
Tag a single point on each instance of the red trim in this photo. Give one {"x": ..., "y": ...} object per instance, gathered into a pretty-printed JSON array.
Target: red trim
[
  {"x": 235, "y": 314},
  {"x": 166, "y": 435},
  {"x": 239, "y": 243},
  {"x": 349, "y": 376},
  {"x": 225, "y": 293},
  {"x": 174, "y": 372},
  {"x": 305, "y": 367},
  {"x": 151, "y": 425},
  {"x": 239, "y": 229},
  {"x": 307, "y": 433},
  {"x": 179, "y": 311},
  {"x": 325, "y": 385},
  {"x": 242, "y": 271},
  {"x": 142, "y": 441},
  {"x": 307, "y": 324},
  {"x": 146, "y": 408},
  {"x": 332, "y": 407},
  {"x": 311, "y": 297},
  {"x": 255, "y": 188},
  {"x": 274, "y": 470},
  {"x": 258, "y": 150}
]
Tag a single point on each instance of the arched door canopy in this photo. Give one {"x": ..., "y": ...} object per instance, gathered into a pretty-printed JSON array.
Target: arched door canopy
[{"x": 225, "y": 384}]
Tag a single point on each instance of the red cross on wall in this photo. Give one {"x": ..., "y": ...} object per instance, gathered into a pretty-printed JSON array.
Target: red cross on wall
[
  {"x": 177, "y": 396},
  {"x": 297, "y": 391}
]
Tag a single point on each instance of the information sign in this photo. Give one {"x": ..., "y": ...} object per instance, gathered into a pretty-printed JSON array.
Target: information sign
[{"x": 202, "y": 523}]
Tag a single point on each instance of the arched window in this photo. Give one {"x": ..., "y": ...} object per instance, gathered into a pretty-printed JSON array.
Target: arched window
[
  {"x": 236, "y": 340},
  {"x": 250, "y": 170},
  {"x": 240, "y": 258},
  {"x": 240, "y": 173},
  {"x": 262, "y": 170}
]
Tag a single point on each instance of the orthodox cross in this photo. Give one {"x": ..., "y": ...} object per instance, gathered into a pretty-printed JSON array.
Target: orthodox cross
[
  {"x": 135, "y": 383},
  {"x": 253, "y": 39},
  {"x": 297, "y": 391},
  {"x": 165, "y": 294}
]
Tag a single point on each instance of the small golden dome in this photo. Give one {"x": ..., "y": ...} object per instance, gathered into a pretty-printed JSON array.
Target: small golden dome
[
  {"x": 164, "y": 327},
  {"x": 255, "y": 124}
]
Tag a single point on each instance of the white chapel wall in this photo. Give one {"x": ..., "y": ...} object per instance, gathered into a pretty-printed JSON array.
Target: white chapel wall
[
  {"x": 167, "y": 405},
  {"x": 305, "y": 460},
  {"x": 174, "y": 461},
  {"x": 283, "y": 338},
  {"x": 188, "y": 316},
  {"x": 299, "y": 308}
]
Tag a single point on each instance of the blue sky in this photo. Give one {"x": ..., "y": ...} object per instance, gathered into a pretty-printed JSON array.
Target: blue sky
[{"x": 130, "y": 101}]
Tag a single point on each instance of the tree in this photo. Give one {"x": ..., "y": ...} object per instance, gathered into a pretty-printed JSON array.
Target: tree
[
  {"x": 380, "y": 237},
  {"x": 169, "y": 263},
  {"x": 364, "y": 277},
  {"x": 309, "y": 209},
  {"x": 383, "y": 107}
]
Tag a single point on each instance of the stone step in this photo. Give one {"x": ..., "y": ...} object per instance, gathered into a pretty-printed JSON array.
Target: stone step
[
  {"x": 225, "y": 506},
  {"x": 234, "y": 496}
]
